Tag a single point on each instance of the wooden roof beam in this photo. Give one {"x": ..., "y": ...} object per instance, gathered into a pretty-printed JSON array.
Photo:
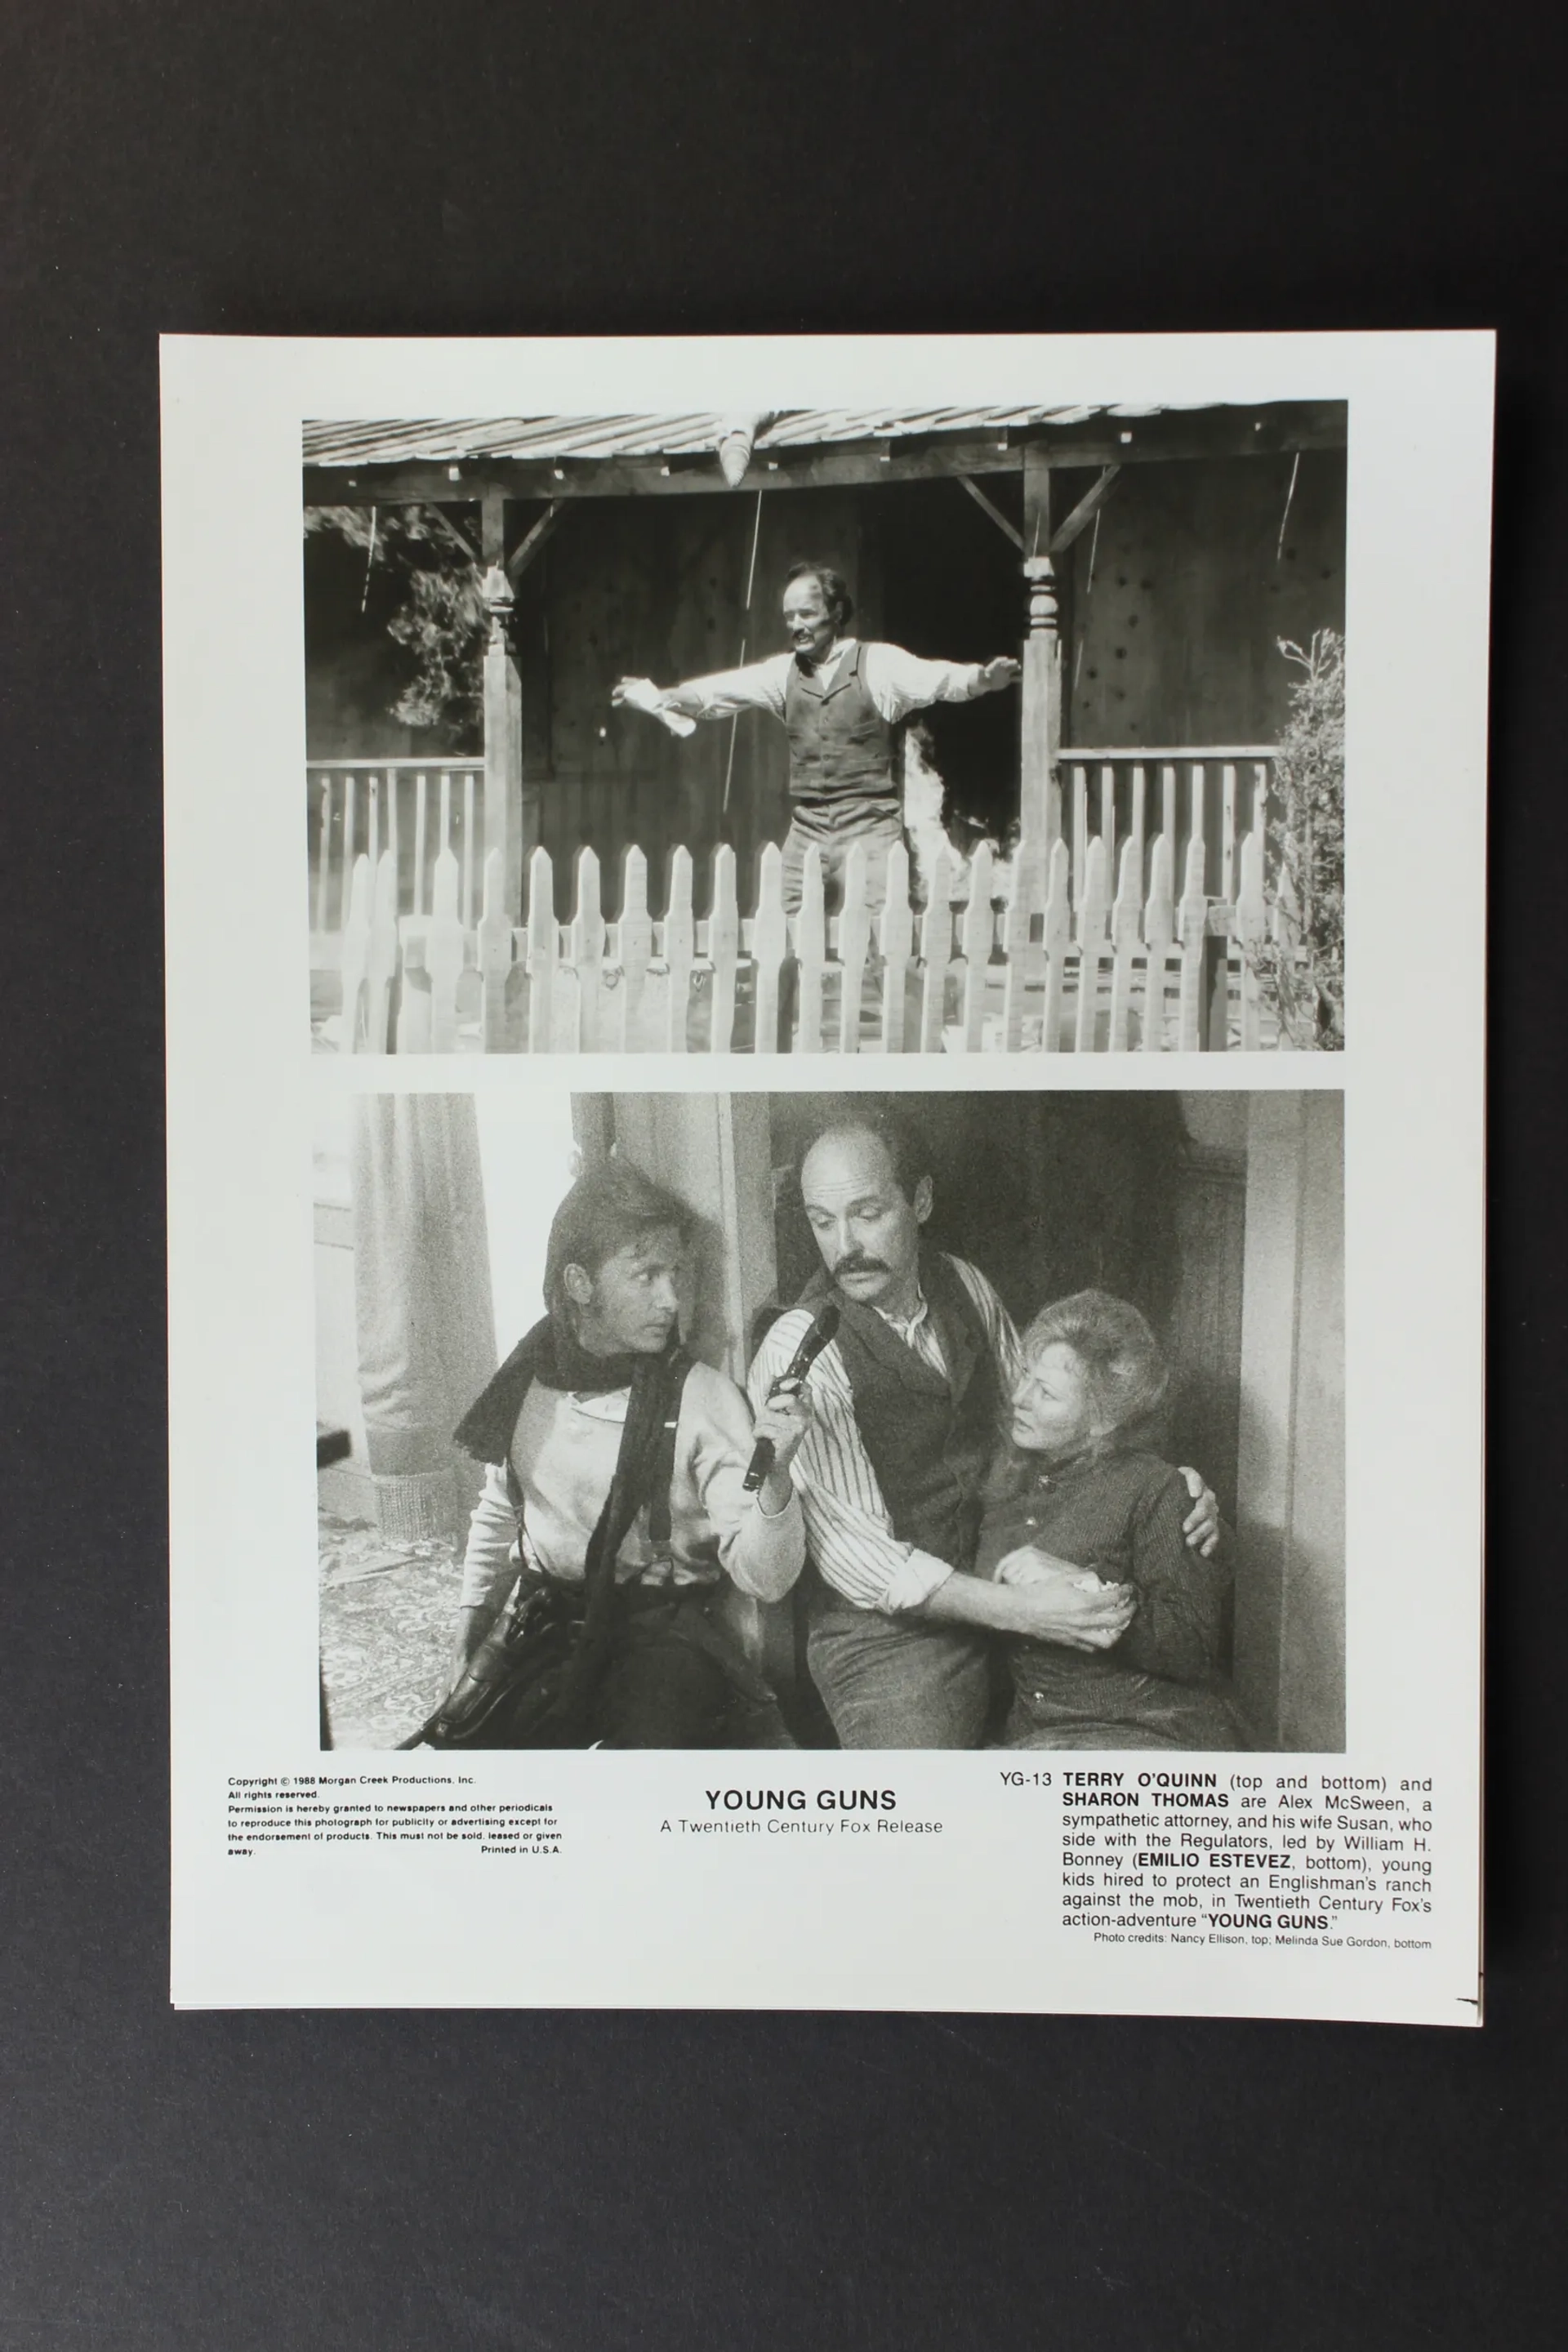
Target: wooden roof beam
[
  {"x": 460, "y": 538},
  {"x": 988, "y": 507},
  {"x": 1268, "y": 431},
  {"x": 1088, "y": 507},
  {"x": 522, "y": 555},
  {"x": 851, "y": 467}
]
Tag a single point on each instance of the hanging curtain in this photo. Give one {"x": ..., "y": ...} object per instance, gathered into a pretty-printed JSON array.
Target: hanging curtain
[{"x": 425, "y": 1325}]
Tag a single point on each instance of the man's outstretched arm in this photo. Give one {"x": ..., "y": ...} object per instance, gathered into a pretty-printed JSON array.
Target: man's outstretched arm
[
  {"x": 759, "y": 685},
  {"x": 899, "y": 682}
]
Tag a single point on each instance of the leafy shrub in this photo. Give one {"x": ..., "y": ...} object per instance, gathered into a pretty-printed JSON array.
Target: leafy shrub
[
  {"x": 1302, "y": 967},
  {"x": 441, "y": 619}
]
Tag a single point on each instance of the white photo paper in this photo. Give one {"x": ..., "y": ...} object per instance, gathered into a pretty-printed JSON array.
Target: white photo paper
[{"x": 825, "y": 1010}]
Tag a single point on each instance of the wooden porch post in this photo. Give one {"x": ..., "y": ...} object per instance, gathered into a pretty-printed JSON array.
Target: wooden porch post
[
  {"x": 505, "y": 826},
  {"x": 1040, "y": 788},
  {"x": 1291, "y": 1469}
]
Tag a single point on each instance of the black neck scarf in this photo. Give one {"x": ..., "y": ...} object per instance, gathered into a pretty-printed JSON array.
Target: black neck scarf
[{"x": 550, "y": 1353}]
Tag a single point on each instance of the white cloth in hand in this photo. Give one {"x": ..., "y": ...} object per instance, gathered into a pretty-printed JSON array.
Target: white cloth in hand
[{"x": 642, "y": 694}]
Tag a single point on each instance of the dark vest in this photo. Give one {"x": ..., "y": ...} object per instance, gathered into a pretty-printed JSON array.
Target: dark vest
[
  {"x": 929, "y": 1440},
  {"x": 840, "y": 753}
]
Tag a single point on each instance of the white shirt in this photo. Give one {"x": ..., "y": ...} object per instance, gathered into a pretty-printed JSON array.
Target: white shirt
[
  {"x": 896, "y": 681},
  {"x": 848, "y": 1527},
  {"x": 564, "y": 1451}
]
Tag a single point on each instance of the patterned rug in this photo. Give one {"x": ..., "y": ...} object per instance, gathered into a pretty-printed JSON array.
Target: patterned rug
[{"x": 388, "y": 1616}]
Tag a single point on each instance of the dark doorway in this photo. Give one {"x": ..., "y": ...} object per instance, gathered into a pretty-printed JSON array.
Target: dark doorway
[{"x": 952, "y": 590}]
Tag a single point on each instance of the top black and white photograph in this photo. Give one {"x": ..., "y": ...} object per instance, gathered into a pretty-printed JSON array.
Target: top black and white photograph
[{"x": 941, "y": 731}]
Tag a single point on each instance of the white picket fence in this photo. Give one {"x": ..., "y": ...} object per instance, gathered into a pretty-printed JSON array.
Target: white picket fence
[
  {"x": 1216, "y": 796},
  {"x": 1023, "y": 964},
  {"x": 413, "y": 810}
]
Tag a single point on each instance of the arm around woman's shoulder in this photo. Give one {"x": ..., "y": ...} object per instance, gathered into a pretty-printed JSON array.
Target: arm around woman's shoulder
[{"x": 1179, "y": 1626}]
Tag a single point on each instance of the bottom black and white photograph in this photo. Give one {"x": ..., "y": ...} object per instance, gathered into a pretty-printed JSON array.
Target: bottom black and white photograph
[{"x": 831, "y": 1421}]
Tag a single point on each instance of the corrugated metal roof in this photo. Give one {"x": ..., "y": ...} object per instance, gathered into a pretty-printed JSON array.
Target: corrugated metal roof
[{"x": 450, "y": 440}]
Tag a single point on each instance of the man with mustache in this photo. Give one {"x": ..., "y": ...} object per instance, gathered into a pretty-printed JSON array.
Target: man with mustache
[
  {"x": 907, "y": 1402},
  {"x": 613, "y": 1507},
  {"x": 840, "y": 701}
]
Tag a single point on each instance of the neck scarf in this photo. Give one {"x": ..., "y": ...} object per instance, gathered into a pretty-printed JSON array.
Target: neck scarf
[{"x": 550, "y": 1353}]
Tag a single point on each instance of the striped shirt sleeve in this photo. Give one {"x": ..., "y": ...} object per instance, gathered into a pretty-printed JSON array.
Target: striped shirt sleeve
[{"x": 848, "y": 1527}]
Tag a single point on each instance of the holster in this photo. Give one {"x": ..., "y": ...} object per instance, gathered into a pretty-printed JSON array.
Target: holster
[{"x": 519, "y": 1690}]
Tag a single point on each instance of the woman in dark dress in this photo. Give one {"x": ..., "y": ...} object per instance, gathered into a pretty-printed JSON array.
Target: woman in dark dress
[{"x": 1078, "y": 1493}]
